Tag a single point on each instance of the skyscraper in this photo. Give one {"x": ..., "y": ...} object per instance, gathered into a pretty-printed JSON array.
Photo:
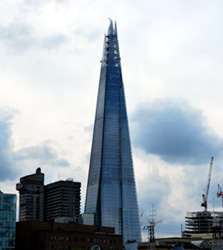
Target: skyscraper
[
  {"x": 111, "y": 198},
  {"x": 7, "y": 221},
  {"x": 31, "y": 196},
  {"x": 62, "y": 199},
  {"x": 58, "y": 200}
]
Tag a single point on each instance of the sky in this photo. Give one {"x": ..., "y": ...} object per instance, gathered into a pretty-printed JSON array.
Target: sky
[{"x": 171, "y": 55}]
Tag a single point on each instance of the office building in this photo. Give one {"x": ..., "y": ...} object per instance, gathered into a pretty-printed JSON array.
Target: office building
[
  {"x": 7, "y": 221},
  {"x": 38, "y": 235},
  {"x": 58, "y": 201},
  {"x": 31, "y": 196},
  {"x": 111, "y": 198},
  {"x": 62, "y": 200}
]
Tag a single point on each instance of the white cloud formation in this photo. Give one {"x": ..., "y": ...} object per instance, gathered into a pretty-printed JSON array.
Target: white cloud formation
[
  {"x": 12, "y": 160},
  {"x": 175, "y": 131}
]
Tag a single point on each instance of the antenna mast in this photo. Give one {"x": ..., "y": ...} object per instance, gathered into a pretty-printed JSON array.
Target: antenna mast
[{"x": 151, "y": 226}]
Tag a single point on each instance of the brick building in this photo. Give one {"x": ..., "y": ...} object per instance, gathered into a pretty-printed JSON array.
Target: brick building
[{"x": 38, "y": 235}]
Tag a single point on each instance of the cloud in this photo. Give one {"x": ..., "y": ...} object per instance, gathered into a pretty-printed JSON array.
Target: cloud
[
  {"x": 89, "y": 128},
  {"x": 11, "y": 160},
  {"x": 171, "y": 190},
  {"x": 175, "y": 131},
  {"x": 43, "y": 153},
  {"x": 53, "y": 41},
  {"x": 19, "y": 36},
  {"x": 6, "y": 146},
  {"x": 87, "y": 33}
]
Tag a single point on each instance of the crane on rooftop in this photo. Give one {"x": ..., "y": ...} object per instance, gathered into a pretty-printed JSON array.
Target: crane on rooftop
[
  {"x": 205, "y": 196},
  {"x": 220, "y": 194}
]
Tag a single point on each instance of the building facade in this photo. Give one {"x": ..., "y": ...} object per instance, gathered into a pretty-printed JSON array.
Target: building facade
[
  {"x": 62, "y": 199},
  {"x": 202, "y": 222},
  {"x": 171, "y": 243},
  {"x": 31, "y": 196},
  {"x": 59, "y": 201},
  {"x": 38, "y": 235},
  {"x": 7, "y": 221},
  {"x": 111, "y": 198}
]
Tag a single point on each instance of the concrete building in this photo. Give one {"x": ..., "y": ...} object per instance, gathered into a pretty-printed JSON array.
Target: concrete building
[
  {"x": 31, "y": 196},
  {"x": 62, "y": 199},
  {"x": 7, "y": 221},
  {"x": 37, "y": 235},
  {"x": 111, "y": 198},
  {"x": 201, "y": 222},
  {"x": 59, "y": 201}
]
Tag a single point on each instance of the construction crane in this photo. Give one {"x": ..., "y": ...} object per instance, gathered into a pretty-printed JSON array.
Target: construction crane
[
  {"x": 205, "y": 196},
  {"x": 220, "y": 194}
]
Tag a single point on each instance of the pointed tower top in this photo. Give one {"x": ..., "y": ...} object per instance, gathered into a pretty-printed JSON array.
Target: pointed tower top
[
  {"x": 111, "y": 48},
  {"x": 115, "y": 27},
  {"x": 112, "y": 29}
]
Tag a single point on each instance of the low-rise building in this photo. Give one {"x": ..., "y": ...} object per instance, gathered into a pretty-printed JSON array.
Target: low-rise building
[
  {"x": 176, "y": 243},
  {"x": 37, "y": 235}
]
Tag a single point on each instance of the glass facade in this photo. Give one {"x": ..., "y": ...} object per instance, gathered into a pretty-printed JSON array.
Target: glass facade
[
  {"x": 7, "y": 221},
  {"x": 111, "y": 192}
]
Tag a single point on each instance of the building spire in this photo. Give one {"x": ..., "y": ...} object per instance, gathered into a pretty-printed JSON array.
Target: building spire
[
  {"x": 115, "y": 28},
  {"x": 111, "y": 54},
  {"x": 110, "y": 28}
]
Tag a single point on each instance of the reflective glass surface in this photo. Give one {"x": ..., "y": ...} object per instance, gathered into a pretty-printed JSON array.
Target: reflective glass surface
[
  {"x": 111, "y": 192},
  {"x": 7, "y": 220}
]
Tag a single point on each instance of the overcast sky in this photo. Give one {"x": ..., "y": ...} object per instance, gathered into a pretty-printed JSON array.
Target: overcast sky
[{"x": 171, "y": 54}]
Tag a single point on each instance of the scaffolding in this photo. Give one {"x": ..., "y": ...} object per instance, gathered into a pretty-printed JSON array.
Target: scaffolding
[{"x": 200, "y": 222}]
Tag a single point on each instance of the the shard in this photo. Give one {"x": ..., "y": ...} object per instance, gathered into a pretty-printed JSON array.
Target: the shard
[{"x": 111, "y": 198}]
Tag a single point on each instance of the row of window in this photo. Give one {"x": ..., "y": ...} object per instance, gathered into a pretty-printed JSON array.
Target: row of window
[
  {"x": 9, "y": 216},
  {"x": 7, "y": 198},
  {"x": 8, "y": 248},
  {"x": 76, "y": 239},
  {"x": 7, "y": 224},
  {"x": 54, "y": 247},
  {"x": 61, "y": 247},
  {"x": 11, "y": 207},
  {"x": 7, "y": 233},
  {"x": 7, "y": 243}
]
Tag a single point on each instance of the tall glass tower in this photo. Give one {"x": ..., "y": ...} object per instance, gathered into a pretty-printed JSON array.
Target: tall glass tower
[{"x": 111, "y": 198}]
